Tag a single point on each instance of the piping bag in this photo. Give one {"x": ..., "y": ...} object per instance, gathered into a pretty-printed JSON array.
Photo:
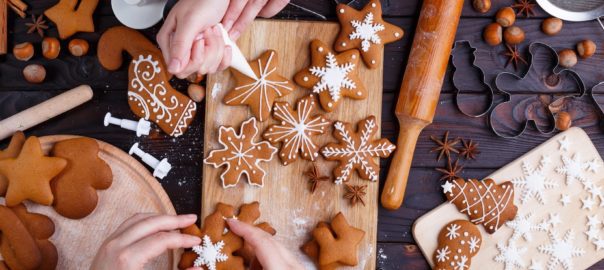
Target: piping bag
[{"x": 238, "y": 61}]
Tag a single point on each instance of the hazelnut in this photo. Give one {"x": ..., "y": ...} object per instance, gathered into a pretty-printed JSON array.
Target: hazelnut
[
  {"x": 195, "y": 78},
  {"x": 196, "y": 92},
  {"x": 513, "y": 35},
  {"x": 50, "y": 47},
  {"x": 482, "y": 6},
  {"x": 551, "y": 26},
  {"x": 492, "y": 34},
  {"x": 23, "y": 51},
  {"x": 567, "y": 58},
  {"x": 78, "y": 47},
  {"x": 563, "y": 121},
  {"x": 34, "y": 73},
  {"x": 586, "y": 48},
  {"x": 505, "y": 16}
]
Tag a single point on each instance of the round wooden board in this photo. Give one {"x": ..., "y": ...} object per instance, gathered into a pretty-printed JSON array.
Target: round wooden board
[{"x": 134, "y": 190}]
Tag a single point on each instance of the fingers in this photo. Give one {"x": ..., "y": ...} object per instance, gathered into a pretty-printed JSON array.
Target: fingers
[
  {"x": 214, "y": 51},
  {"x": 260, "y": 241},
  {"x": 164, "y": 36},
  {"x": 197, "y": 55},
  {"x": 180, "y": 46},
  {"x": 154, "y": 225},
  {"x": 226, "y": 59},
  {"x": 132, "y": 220},
  {"x": 247, "y": 16},
  {"x": 153, "y": 246},
  {"x": 233, "y": 12},
  {"x": 272, "y": 8}
]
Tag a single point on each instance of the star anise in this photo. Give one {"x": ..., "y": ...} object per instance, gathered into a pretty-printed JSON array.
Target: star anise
[
  {"x": 514, "y": 56},
  {"x": 445, "y": 146},
  {"x": 355, "y": 193},
  {"x": 37, "y": 24},
  {"x": 451, "y": 172},
  {"x": 525, "y": 6},
  {"x": 469, "y": 149},
  {"x": 314, "y": 177}
]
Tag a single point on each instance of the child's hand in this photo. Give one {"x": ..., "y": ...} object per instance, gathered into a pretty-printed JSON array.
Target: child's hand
[
  {"x": 269, "y": 253},
  {"x": 241, "y": 13}
]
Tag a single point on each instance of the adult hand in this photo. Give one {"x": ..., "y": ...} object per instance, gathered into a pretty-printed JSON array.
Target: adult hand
[
  {"x": 241, "y": 13},
  {"x": 142, "y": 238},
  {"x": 269, "y": 253}
]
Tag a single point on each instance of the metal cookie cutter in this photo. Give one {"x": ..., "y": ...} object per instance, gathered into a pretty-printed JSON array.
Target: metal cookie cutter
[{"x": 574, "y": 10}]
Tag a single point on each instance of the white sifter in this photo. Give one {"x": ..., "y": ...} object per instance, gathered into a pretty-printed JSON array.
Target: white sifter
[{"x": 575, "y": 10}]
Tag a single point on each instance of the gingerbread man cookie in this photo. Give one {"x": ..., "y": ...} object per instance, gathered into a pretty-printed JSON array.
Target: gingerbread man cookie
[
  {"x": 150, "y": 94},
  {"x": 75, "y": 188},
  {"x": 17, "y": 246},
  {"x": 241, "y": 155},
  {"x": 484, "y": 202},
  {"x": 365, "y": 30},
  {"x": 332, "y": 76},
  {"x": 296, "y": 128},
  {"x": 458, "y": 242},
  {"x": 338, "y": 244},
  {"x": 357, "y": 150},
  {"x": 70, "y": 20},
  {"x": 30, "y": 173},
  {"x": 259, "y": 94},
  {"x": 12, "y": 151}
]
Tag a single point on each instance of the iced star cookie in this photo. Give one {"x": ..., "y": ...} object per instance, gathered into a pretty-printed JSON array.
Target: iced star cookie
[
  {"x": 296, "y": 129},
  {"x": 356, "y": 150},
  {"x": 458, "y": 242},
  {"x": 259, "y": 94},
  {"x": 241, "y": 155},
  {"x": 365, "y": 30},
  {"x": 332, "y": 76}
]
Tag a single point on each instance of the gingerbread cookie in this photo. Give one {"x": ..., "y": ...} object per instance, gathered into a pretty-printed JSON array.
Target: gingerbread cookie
[
  {"x": 365, "y": 30},
  {"x": 70, "y": 20},
  {"x": 150, "y": 94},
  {"x": 75, "y": 188},
  {"x": 17, "y": 246},
  {"x": 41, "y": 228},
  {"x": 30, "y": 173},
  {"x": 340, "y": 244},
  {"x": 241, "y": 155},
  {"x": 357, "y": 150},
  {"x": 259, "y": 94},
  {"x": 484, "y": 202},
  {"x": 458, "y": 242},
  {"x": 296, "y": 128},
  {"x": 12, "y": 151},
  {"x": 332, "y": 76},
  {"x": 311, "y": 249}
]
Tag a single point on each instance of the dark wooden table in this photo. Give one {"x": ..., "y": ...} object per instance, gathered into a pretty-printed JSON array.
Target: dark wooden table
[{"x": 396, "y": 248}]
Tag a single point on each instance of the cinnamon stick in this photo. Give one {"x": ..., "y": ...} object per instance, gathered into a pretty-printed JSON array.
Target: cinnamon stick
[
  {"x": 19, "y": 4},
  {"x": 3, "y": 27},
  {"x": 16, "y": 9}
]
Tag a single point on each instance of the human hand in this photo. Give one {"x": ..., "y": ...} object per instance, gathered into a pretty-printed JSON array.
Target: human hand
[
  {"x": 142, "y": 238},
  {"x": 190, "y": 40},
  {"x": 241, "y": 13},
  {"x": 269, "y": 253}
]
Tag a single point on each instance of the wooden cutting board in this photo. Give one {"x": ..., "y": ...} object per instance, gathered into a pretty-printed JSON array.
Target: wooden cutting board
[
  {"x": 285, "y": 199},
  {"x": 134, "y": 190},
  {"x": 572, "y": 216}
]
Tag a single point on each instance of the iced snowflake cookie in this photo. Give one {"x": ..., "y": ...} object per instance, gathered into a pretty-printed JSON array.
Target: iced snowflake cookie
[
  {"x": 484, "y": 202},
  {"x": 259, "y": 94},
  {"x": 241, "y": 155},
  {"x": 357, "y": 150},
  {"x": 334, "y": 244},
  {"x": 332, "y": 76},
  {"x": 365, "y": 30},
  {"x": 295, "y": 130},
  {"x": 458, "y": 242}
]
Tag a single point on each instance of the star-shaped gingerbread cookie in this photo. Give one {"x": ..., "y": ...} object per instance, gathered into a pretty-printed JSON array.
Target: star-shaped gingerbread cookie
[
  {"x": 365, "y": 30},
  {"x": 241, "y": 154},
  {"x": 332, "y": 76},
  {"x": 340, "y": 245},
  {"x": 30, "y": 173},
  {"x": 259, "y": 94},
  {"x": 12, "y": 151},
  {"x": 70, "y": 20}
]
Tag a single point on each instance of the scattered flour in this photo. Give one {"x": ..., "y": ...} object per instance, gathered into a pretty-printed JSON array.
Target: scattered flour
[{"x": 215, "y": 89}]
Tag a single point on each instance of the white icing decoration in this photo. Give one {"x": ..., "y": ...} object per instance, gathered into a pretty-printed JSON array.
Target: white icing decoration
[
  {"x": 250, "y": 157},
  {"x": 510, "y": 255},
  {"x": 588, "y": 203},
  {"x": 564, "y": 199},
  {"x": 209, "y": 253},
  {"x": 534, "y": 182},
  {"x": 453, "y": 231},
  {"x": 367, "y": 31},
  {"x": 448, "y": 187},
  {"x": 474, "y": 244},
  {"x": 342, "y": 10},
  {"x": 333, "y": 77},
  {"x": 462, "y": 263},
  {"x": 561, "y": 251},
  {"x": 565, "y": 144},
  {"x": 593, "y": 232},
  {"x": 594, "y": 166},
  {"x": 535, "y": 265},
  {"x": 573, "y": 169},
  {"x": 595, "y": 191},
  {"x": 442, "y": 254},
  {"x": 522, "y": 227}
]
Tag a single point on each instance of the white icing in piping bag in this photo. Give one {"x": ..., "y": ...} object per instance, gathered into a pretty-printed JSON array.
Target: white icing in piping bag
[{"x": 238, "y": 61}]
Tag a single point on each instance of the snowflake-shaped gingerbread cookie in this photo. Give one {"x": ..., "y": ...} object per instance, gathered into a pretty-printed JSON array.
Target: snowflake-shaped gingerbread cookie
[
  {"x": 296, "y": 129},
  {"x": 365, "y": 30},
  {"x": 332, "y": 76},
  {"x": 357, "y": 150},
  {"x": 259, "y": 94},
  {"x": 241, "y": 155}
]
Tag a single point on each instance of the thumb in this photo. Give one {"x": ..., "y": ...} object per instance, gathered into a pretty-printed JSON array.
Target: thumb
[{"x": 180, "y": 46}]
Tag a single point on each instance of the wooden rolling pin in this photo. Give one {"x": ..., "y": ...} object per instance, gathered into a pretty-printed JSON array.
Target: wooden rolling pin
[
  {"x": 420, "y": 90},
  {"x": 45, "y": 111}
]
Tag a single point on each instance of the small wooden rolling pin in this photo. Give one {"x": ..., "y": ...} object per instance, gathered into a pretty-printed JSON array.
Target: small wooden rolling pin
[
  {"x": 420, "y": 89},
  {"x": 45, "y": 111}
]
